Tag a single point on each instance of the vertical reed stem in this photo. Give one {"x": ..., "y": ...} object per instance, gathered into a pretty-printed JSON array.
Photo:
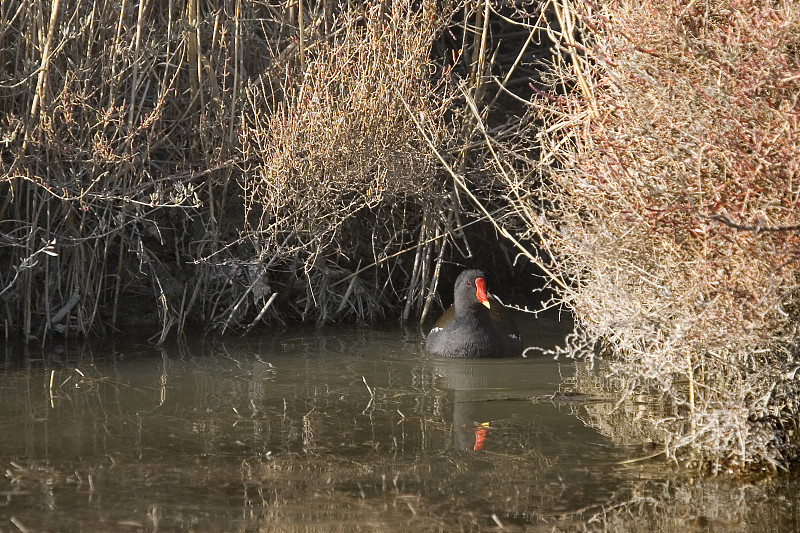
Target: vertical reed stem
[
  {"x": 690, "y": 374},
  {"x": 41, "y": 84},
  {"x": 135, "y": 77},
  {"x": 237, "y": 60},
  {"x": 480, "y": 65},
  {"x": 301, "y": 35},
  {"x": 193, "y": 52}
]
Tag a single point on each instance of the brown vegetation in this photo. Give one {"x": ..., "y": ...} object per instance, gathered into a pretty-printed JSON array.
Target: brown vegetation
[
  {"x": 670, "y": 206},
  {"x": 229, "y": 164},
  {"x": 338, "y": 175}
]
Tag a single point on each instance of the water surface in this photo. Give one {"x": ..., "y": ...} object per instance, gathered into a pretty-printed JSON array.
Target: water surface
[{"x": 347, "y": 428}]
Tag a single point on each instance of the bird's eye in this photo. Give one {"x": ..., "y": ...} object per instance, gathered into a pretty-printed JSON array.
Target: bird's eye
[{"x": 469, "y": 284}]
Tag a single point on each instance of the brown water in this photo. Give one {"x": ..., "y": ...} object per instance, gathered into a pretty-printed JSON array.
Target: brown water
[{"x": 336, "y": 430}]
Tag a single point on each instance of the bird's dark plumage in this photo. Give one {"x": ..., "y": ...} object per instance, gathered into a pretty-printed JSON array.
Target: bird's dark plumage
[{"x": 476, "y": 326}]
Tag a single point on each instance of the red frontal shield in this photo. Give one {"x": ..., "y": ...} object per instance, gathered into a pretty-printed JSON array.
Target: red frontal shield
[{"x": 480, "y": 292}]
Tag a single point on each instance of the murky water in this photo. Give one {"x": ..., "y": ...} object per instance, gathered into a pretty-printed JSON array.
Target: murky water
[{"x": 336, "y": 430}]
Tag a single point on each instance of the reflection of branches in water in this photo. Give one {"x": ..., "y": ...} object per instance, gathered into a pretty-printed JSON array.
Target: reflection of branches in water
[
  {"x": 303, "y": 450},
  {"x": 290, "y": 449},
  {"x": 386, "y": 492},
  {"x": 663, "y": 499},
  {"x": 680, "y": 503},
  {"x": 402, "y": 485},
  {"x": 630, "y": 416}
]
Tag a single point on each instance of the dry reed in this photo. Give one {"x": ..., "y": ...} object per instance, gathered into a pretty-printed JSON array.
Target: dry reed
[
  {"x": 337, "y": 174},
  {"x": 230, "y": 164}
]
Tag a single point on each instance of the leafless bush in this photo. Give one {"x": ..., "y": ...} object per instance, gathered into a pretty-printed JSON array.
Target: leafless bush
[
  {"x": 226, "y": 163},
  {"x": 669, "y": 205},
  {"x": 334, "y": 173}
]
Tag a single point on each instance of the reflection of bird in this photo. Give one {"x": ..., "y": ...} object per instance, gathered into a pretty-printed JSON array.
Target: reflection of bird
[
  {"x": 476, "y": 325},
  {"x": 480, "y": 435}
]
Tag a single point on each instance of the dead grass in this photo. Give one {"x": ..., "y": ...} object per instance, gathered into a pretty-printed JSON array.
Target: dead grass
[
  {"x": 338, "y": 172},
  {"x": 100, "y": 174},
  {"x": 231, "y": 164}
]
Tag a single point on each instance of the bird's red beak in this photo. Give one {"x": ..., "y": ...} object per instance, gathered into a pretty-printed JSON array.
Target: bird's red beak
[{"x": 480, "y": 292}]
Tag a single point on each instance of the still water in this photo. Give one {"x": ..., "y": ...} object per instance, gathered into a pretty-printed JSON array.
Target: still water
[{"x": 341, "y": 429}]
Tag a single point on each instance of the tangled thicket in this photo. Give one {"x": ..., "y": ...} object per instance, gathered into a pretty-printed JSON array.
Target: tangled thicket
[
  {"x": 227, "y": 163},
  {"x": 672, "y": 213},
  {"x": 336, "y": 171}
]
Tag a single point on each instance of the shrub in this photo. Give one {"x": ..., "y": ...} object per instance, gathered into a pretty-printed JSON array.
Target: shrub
[
  {"x": 338, "y": 173},
  {"x": 670, "y": 203}
]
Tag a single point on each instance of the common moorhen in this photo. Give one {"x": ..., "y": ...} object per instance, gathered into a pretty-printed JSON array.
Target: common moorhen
[{"x": 476, "y": 326}]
